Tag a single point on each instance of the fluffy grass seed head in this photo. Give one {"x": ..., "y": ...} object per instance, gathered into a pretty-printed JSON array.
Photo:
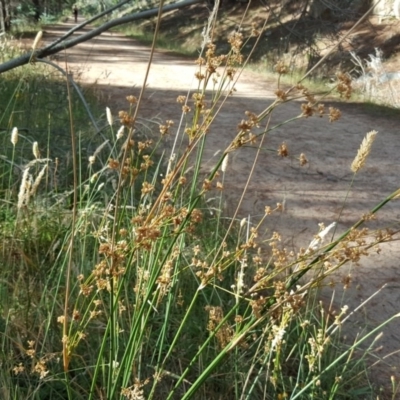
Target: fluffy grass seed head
[
  {"x": 92, "y": 158},
  {"x": 24, "y": 190},
  {"x": 224, "y": 165},
  {"x": 37, "y": 40},
  {"x": 120, "y": 132},
  {"x": 109, "y": 117},
  {"x": 35, "y": 150},
  {"x": 14, "y": 136},
  {"x": 37, "y": 181},
  {"x": 363, "y": 151}
]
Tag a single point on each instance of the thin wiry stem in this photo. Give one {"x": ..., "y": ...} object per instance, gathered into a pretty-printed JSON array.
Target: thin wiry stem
[{"x": 72, "y": 237}]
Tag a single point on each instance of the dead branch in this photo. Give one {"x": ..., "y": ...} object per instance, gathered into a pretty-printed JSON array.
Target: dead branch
[{"x": 66, "y": 44}]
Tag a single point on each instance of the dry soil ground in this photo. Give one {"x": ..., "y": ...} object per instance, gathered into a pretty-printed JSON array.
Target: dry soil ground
[{"x": 311, "y": 194}]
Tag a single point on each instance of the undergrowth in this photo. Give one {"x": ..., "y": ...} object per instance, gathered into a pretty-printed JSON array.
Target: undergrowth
[{"x": 131, "y": 290}]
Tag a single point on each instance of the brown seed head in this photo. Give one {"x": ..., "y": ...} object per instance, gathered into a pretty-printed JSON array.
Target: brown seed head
[
  {"x": 200, "y": 76},
  {"x": 307, "y": 110},
  {"x": 281, "y": 94},
  {"x": 283, "y": 150},
  {"x": 281, "y": 68},
  {"x": 125, "y": 118},
  {"x": 200, "y": 61},
  {"x": 303, "y": 159},
  {"x": 254, "y": 30},
  {"x": 334, "y": 114},
  {"x": 131, "y": 99},
  {"x": 181, "y": 99},
  {"x": 344, "y": 85},
  {"x": 185, "y": 109},
  {"x": 244, "y": 125},
  {"x": 236, "y": 41}
]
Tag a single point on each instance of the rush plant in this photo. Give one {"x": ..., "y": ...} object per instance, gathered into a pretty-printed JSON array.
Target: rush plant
[{"x": 132, "y": 290}]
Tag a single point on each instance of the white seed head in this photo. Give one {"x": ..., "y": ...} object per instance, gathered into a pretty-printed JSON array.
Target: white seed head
[
  {"x": 100, "y": 148},
  {"x": 35, "y": 150},
  {"x": 14, "y": 136},
  {"x": 24, "y": 189},
  {"x": 240, "y": 281},
  {"x": 94, "y": 178},
  {"x": 109, "y": 116},
  {"x": 318, "y": 239},
  {"x": 225, "y": 163},
  {"x": 363, "y": 151},
  {"x": 37, "y": 181},
  {"x": 120, "y": 132},
  {"x": 37, "y": 40}
]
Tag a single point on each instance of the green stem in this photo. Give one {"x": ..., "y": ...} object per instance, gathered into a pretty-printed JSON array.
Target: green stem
[
  {"x": 336, "y": 361},
  {"x": 293, "y": 281}
]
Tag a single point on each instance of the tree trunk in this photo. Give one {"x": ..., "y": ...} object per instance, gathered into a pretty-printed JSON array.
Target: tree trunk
[
  {"x": 5, "y": 17},
  {"x": 38, "y": 11},
  {"x": 2, "y": 26}
]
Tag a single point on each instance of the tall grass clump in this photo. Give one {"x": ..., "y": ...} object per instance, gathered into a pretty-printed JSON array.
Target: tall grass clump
[
  {"x": 35, "y": 101},
  {"x": 373, "y": 82},
  {"x": 135, "y": 292}
]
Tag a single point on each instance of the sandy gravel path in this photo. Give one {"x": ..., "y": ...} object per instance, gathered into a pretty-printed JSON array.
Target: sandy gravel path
[{"x": 311, "y": 194}]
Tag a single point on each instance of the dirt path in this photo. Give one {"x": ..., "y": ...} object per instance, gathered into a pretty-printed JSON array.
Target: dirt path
[{"x": 310, "y": 194}]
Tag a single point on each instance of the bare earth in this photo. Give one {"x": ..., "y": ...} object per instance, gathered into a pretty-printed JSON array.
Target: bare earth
[{"x": 311, "y": 194}]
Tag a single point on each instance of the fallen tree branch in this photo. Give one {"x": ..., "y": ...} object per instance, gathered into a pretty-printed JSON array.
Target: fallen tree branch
[{"x": 66, "y": 44}]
